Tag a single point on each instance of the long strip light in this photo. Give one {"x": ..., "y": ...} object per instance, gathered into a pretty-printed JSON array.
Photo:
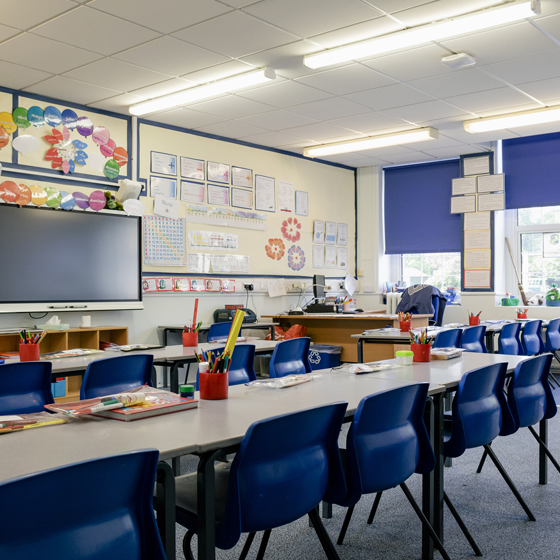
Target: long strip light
[
  {"x": 360, "y": 144},
  {"x": 202, "y": 92},
  {"x": 423, "y": 34},
  {"x": 513, "y": 120}
]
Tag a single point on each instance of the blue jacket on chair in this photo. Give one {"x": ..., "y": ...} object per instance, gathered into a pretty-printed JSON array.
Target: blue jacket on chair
[{"x": 419, "y": 297}]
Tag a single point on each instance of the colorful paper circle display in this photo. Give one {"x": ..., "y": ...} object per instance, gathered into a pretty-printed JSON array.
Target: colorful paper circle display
[
  {"x": 120, "y": 155},
  {"x": 67, "y": 202},
  {"x": 108, "y": 149},
  {"x": 4, "y": 137},
  {"x": 53, "y": 197},
  {"x": 111, "y": 169},
  {"x": 97, "y": 200},
  {"x": 69, "y": 119},
  {"x": 20, "y": 118},
  {"x": 53, "y": 117},
  {"x": 38, "y": 195},
  {"x": 24, "y": 195},
  {"x": 9, "y": 191},
  {"x": 36, "y": 116},
  {"x": 82, "y": 200},
  {"x": 7, "y": 122},
  {"x": 85, "y": 127},
  {"x": 101, "y": 135}
]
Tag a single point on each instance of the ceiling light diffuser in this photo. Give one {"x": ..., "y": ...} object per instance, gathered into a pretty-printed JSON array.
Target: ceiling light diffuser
[
  {"x": 360, "y": 144},
  {"x": 196, "y": 93},
  {"x": 513, "y": 120},
  {"x": 437, "y": 31}
]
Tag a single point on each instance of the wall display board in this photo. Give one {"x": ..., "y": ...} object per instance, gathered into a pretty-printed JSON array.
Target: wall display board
[
  {"x": 274, "y": 231},
  {"x": 164, "y": 241}
]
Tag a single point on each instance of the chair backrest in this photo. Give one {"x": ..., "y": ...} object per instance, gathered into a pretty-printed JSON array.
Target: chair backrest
[
  {"x": 472, "y": 339},
  {"x": 436, "y": 305},
  {"x": 282, "y": 470},
  {"x": 25, "y": 387},
  {"x": 242, "y": 368},
  {"x": 480, "y": 410},
  {"x": 448, "y": 339},
  {"x": 115, "y": 375},
  {"x": 290, "y": 357},
  {"x": 508, "y": 341},
  {"x": 218, "y": 330},
  {"x": 529, "y": 395},
  {"x": 531, "y": 338},
  {"x": 553, "y": 336},
  {"x": 387, "y": 442},
  {"x": 106, "y": 505}
]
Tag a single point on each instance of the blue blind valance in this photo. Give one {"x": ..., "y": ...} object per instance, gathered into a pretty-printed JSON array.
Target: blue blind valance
[{"x": 417, "y": 204}]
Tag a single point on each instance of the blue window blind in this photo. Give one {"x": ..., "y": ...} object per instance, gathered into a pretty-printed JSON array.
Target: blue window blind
[
  {"x": 532, "y": 168},
  {"x": 417, "y": 204}
]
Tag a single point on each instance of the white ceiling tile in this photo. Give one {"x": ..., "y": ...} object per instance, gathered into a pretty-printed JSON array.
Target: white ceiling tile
[
  {"x": 312, "y": 16},
  {"x": 469, "y": 80},
  {"x": 7, "y": 32},
  {"x": 345, "y": 80},
  {"x": 387, "y": 151},
  {"x": 25, "y": 14},
  {"x": 277, "y": 120},
  {"x": 512, "y": 109},
  {"x": 536, "y": 129},
  {"x": 527, "y": 69},
  {"x": 44, "y": 54},
  {"x": 238, "y": 3},
  {"x": 185, "y": 118},
  {"x": 506, "y": 43},
  {"x": 298, "y": 146},
  {"x": 388, "y": 97},
  {"x": 391, "y": 6},
  {"x": 453, "y": 152},
  {"x": 549, "y": 24},
  {"x": 365, "y": 162},
  {"x": 270, "y": 139},
  {"x": 116, "y": 75},
  {"x": 320, "y": 132},
  {"x": 543, "y": 90},
  {"x": 164, "y": 16},
  {"x": 171, "y": 56},
  {"x": 118, "y": 104},
  {"x": 95, "y": 31},
  {"x": 488, "y": 100},
  {"x": 163, "y": 88},
  {"x": 235, "y": 34},
  {"x": 414, "y": 157},
  {"x": 285, "y": 94},
  {"x": 218, "y": 72},
  {"x": 231, "y": 129},
  {"x": 444, "y": 142},
  {"x": 420, "y": 112},
  {"x": 231, "y": 107},
  {"x": 16, "y": 76},
  {"x": 357, "y": 32},
  {"x": 72, "y": 90},
  {"x": 339, "y": 158},
  {"x": 373, "y": 123},
  {"x": 328, "y": 109},
  {"x": 468, "y": 138}
]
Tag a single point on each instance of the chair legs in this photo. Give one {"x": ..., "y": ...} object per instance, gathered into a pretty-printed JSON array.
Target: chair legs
[
  {"x": 374, "y": 507},
  {"x": 264, "y": 543},
  {"x": 345, "y": 524},
  {"x": 482, "y": 460},
  {"x": 545, "y": 448},
  {"x": 326, "y": 542},
  {"x": 187, "y": 552},
  {"x": 247, "y": 545},
  {"x": 461, "y": 524}
]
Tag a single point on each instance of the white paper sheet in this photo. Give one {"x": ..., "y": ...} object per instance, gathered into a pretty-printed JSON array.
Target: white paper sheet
[
  {"x": 318, "y": 256},
  {"x": 463, "y": 204},
  {"x": 276, "y": 287},
  {"x": 330, "y": 233},
  {"x": 477, "y": 240},
  {"x": 342, "y": 258},
  {"x": 167, "y": 207},
  {"x": 477, "y": 259},
  {"x": 286, "y": 200},
  {"x": 265, "y": 196},
  {"x": 476, "y": 165},
  {"x": 477, "y": 278},
  {"x": 318, "y": 231},
  {"x": 302, "y": 203},
  {"x": 477, "y": 220},
  {"x": 490, "y": 183},
  {"x": 164, "y": 164},
  {"x": 342, "y": 234},
  {"x": 192, "y": 192},
  {"x": 330, "y": 256},
  {"x": 163, "y": 187},
  {"x": 350, "y": 284},
  {"x": 466, "y": 185},
  {"x": 491, "y": 202}
]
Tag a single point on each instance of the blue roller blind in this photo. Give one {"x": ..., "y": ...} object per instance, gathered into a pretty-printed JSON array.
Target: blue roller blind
[
  {"x": 417, "y": 204},
  {"x": 532, "y": 168}
]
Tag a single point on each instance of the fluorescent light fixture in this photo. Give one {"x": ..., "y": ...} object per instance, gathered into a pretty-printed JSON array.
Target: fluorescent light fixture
[
  {"x": 513, "y": 120},
  {"x": 360, "y": 144},
  {"x": 202, "y": 92},
  {"x": 437, "y": 31}
]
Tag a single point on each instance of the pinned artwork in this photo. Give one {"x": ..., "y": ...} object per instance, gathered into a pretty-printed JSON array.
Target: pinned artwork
[
  {"x": 38, "y": 195},
  {"x": 120, "y": 155},
  {"x": 65, "y": 152},
  {"x": 53, "y": 117},
  {"x": 96, "y": 161},
  {"x": 4, "y": 137},
  {"x": 26, "y": 143},
  {"x": 82, "y": 200},
  {"x": 24, "y": 195},
  {"x": 100, "y": 135},
  {"x": 111, "y": 169},
  {"x": 67, "y": 201},
  {"x": 290, "y": 229},
  {"x": 20, "y": 118},
  {"x": 296, "y": 258},
  {"x": 69, "y": 119},
  {"x": 54, "y": 197},
  {"x": 85, "y": 127},
  {"x": 97, "y": 200},
  {"x": 108, "y": 148},
  {"x": 275, "y": 249},
  {"x": 36, "y": 116},
  {"x": 9, "y": 191},
  {"x": 7, "y": 122},
  {"x": 134, "y": 207}
]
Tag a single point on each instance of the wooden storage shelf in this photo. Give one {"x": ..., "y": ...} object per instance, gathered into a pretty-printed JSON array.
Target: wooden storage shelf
[{"x": 55, "y": 341}]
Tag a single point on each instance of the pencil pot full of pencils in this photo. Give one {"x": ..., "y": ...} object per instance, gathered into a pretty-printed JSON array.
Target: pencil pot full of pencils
[
  {"x": 190, "y": 338},
  {"x": 474, "y": 320},
  {"x": 29, "y": 353},
  {"x": 213, "y": 386},
  {"x": 404, "y": 322},
  {"x": 421, "y": 352}
]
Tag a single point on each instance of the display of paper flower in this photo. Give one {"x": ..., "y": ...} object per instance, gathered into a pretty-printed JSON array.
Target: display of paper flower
[
  {"x": 290, "y": 229},
  {"x": 275, "y": 249},
  {"x": 65, "y": 153},
  {"x": 296, "y": 257}
]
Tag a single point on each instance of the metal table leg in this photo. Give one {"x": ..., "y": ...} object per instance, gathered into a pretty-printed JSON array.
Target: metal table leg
[
  {"x": 543, "y": 461},
  {"x": 427, "y": 487},
  {"x": 360, "y": 350},
  {"x": 165, "y": 507}
]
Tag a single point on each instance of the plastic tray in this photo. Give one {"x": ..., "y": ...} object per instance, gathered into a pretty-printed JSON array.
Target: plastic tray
[{"x": 47, "y": 327}]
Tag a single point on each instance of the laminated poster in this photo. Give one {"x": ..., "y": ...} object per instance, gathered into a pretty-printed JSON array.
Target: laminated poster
[
  {"x": 318, "y": 231},
  {"x": 318, "y": 256}
]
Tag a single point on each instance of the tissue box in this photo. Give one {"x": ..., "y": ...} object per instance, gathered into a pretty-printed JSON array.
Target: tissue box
[
  {"x": 47, "y": 327},
  {"x": 510, "y": 302}
]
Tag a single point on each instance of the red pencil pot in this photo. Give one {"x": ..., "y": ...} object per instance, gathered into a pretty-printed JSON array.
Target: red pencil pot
[
  {"x": 29, "y": 353},
  {"x": 405, "y": 326},
  {"x": 190, "y": 339},
  {"x": 421, "y": 352},
  {"x": 522, "y": 315},
  {"x": 473, "y": 321},
  {"x": 213, "y": 386}
]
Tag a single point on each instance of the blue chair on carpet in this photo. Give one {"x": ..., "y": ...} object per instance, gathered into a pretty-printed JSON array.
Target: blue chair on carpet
[
  {"x": 242, "y": 368},
  {"x": 472, "y": 339},
  {"x": 386, "y": 444},
  {"x": 531, "y": 338},
  {"x": 218, "y": 330},
  {"x": 552, "y": 344},
  {"x": 448, "y": 339},
  {"x": 25, "y": 387},
  {"x": 290, "y": 357},
  {"x": 115, "y": 375},
  {"x": 509, "y": 341},
  {"x": 104, "y": 511},
  {"x": 280, "y": 473}
]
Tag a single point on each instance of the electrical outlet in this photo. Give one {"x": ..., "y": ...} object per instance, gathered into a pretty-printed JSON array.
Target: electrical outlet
[
  {"x": 293, "y": 287},
  {"x": 262, "y": 286},
  {"x": 248, "y": 287},
  {"x": 303, "y": 285}
]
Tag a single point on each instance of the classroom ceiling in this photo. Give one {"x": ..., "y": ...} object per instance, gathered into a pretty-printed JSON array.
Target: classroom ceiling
[{"x": 110, "y": 54}]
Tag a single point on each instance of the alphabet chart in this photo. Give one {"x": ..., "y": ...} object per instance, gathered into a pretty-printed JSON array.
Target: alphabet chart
[{"x": 164, "y": 241}]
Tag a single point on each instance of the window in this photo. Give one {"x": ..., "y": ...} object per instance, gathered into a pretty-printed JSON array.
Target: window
[
  {"x": 442, "y": 270},
  {"x": 539, "y": 237}
]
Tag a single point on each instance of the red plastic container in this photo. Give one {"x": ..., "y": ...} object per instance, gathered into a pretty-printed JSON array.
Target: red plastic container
[
  {"x": 421, "y": 352},
  {"x": 522, "y": 315},
  {"x": 473, "y": 321},
  {"x": 405, "y": 326},
  {"x": 213, "y": 386},
  {"x": 29, "y": 353},
  {"x": 190, "y": 339}
]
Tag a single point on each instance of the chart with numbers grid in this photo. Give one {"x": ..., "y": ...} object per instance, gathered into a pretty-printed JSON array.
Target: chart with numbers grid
[{"x": 164, "y": 241}]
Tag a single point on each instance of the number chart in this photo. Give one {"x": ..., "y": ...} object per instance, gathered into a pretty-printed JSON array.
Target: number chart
[{"x": 164, "y": 241}]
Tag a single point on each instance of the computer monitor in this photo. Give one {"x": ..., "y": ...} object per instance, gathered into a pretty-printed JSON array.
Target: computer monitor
[{"x": 319, "y": 286}]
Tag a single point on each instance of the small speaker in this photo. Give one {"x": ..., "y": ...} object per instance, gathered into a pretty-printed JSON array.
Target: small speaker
[{"x": 129, "y": 189}]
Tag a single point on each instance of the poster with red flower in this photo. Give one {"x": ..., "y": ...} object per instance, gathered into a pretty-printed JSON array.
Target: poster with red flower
[
  {"x": 275, "y": 249},
  {"x": 290, "y": 229},
  {"x": 296, "y": 258}
]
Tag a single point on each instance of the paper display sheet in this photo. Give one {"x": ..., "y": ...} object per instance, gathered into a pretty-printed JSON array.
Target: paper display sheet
[
  {"x": 241, "y": 198},
  {"x": 217, "y": 172},
  {"x": 216, "y": 264},
  {"x": 477, "y": 279},
  {"x": 477, "y": 220},
  {"x": 318, "y": 231},
  {"x": 463, "y": 204},
  {"x": 192, "y": 192},
  {"x": 213, "y": 241},
  {"x": 225, "y": 217},
  {"x": 463, "y": 186},
  {"x": 330, "y": 256},
  {"x": 265, "y": 193},
  {"x": 160, "y": 186},
  {"x": 218, "y": 195},
  {"x": 476, "y": 165},
  {"x": 342, "y": 234},
  {"x": 491, "y": 202},
  {"x": 302, "y": 203},
  {"x": 342, "y": 258},
  {"x": 164, "y": 241},
  {"x": 318, "y": 256},
  {"x": 241, "y": 177},
  {"x": 168, "y": 207},
  {"x": 477, "y": 240},
  {"x": 490, "y": 183},
  {"x": 286, "y": 200},
  {"x": 192, "y": 168},
  {"x": 163, "y": 164},
  {"x": 276, "y": 287},
  {"x": 477, "y": 259},
  {"x": 330, "y": 233}
]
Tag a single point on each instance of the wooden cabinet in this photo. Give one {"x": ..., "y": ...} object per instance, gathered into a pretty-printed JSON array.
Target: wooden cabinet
[{"x": 55, "y": 341}]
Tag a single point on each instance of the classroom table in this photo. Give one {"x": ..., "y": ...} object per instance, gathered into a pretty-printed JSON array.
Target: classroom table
[
  {"x": 338, "y": 328},
  {"x": 259, "y": 326}
]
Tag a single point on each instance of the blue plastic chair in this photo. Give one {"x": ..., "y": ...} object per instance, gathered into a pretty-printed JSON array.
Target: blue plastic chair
[
  {"x": 472, "y": 339},
  {"x": 290, "y": 357},
  {"x": 105, "y": 511},
  {"x": 552, "y": 344},
  {"x": 115, "y": 375},
  {"x": 280, "y": 473},
  {"x": 509, "y": 341},
  {"x": 25, "y": 387},
  {"x": 386, "y": 444},
  {"x": 531, "y": 338},
  {"x": 439, "y": 307},
  {"x": 479, "y": 414},
  {"x": 242, "y": 368},
  {"x": 218, "y": 330},
  {"x": 448, "y": 339}
]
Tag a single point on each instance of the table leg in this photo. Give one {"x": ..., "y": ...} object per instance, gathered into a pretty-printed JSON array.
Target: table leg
[
  {"x": 360, "y": 350},
  {"x": 543, "y": 460},
  {"x": 427, "y": 488},
  {"x": 165, "y": 507},
  {"x": 165, "y": 337},
  {"x": 272, "y": 333},
  {"x": 490, "y": 342}
]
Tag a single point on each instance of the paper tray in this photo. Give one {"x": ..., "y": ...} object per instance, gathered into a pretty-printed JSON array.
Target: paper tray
[{"x": 47, "y": 327}]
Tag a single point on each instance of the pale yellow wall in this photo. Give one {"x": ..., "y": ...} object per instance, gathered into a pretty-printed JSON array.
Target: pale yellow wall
[{"x": 6, "y": 106}]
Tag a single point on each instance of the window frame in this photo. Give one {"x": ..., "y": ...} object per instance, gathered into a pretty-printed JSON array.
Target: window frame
[{"x": 401, "y": 261}]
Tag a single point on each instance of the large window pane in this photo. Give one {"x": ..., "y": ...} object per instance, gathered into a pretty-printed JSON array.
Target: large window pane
[
  {"x": 452, "y": 264},
  {"x": 551, "y": 215},
  {"x": 531, "y": 242},
  {"x": 442, "y": 270},
  {"x": 529, "y": 216},
  {"x": 432, "y": 264}
]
